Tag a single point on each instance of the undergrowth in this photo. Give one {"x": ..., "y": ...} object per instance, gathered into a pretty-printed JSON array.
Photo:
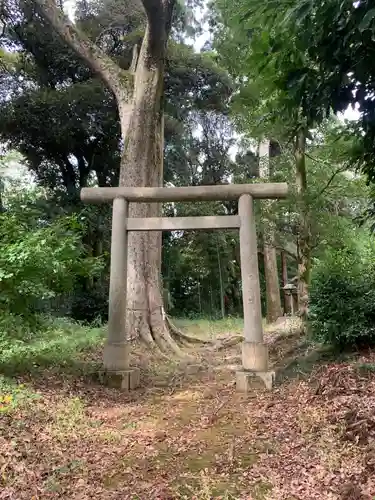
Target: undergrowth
[
  {"x": 342, "y": 299},
  {"x": 13, "y": 395},
  {"x": 48, "y": 343}
]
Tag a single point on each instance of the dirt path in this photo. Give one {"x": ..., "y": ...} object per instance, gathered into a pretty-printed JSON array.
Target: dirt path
[{"x": 190, "y": 435}]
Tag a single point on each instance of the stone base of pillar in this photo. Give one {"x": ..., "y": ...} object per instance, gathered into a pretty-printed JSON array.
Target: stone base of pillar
[
  {"x": 250, "y": 380},
  {"x": 125, "y": 380},
  {"x": 116, "y": 356},
  {"x": 255, "y": 356}
]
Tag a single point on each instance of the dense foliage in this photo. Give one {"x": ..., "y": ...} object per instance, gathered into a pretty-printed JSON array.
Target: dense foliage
[
  {"x": 40, "y": 259},
  {"x": 73, "y": 136},
  {"x": 343, "y": 296},
  {"x": 331, "y": 66},
  {"x": 258, "y": 77}
]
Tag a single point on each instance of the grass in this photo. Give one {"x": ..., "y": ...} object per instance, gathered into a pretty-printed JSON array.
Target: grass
[
  {"x": 180, "y": 436},
  {"x": 207, "y": 328},
  {"x": 57, "y": 344}
]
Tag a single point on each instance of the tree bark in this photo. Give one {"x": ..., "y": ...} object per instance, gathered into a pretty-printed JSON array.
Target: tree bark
[
  {"x": 138, "y": 93},
  {"x": 222, "y": 300},
  {"x": 1, "y": 195},
  {"x": 273, "y": 300},
  {"x": 287, "y": 296},
  {"x": 304, "y": 237}
]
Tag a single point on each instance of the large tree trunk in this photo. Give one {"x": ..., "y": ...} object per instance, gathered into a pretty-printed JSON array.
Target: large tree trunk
[
  {"x": 273, "y": 300},
  {"x": 304, "y": 239},
  {"x": 139, "y": 93},
  {"x": 141, "y": 165}
]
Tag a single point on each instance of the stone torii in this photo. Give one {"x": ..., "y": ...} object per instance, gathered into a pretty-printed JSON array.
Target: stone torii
[{"x": 254, "y": 351}]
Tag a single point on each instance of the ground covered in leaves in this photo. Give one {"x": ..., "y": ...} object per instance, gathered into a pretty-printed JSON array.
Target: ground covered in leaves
[{"x": 187, "y": 434}]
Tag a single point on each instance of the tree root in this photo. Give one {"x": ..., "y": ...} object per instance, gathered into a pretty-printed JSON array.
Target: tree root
[
  {"x": 161, "y": 335},
  {"x": 183, "y": 338},
  {"x": 170, "y": 341},
  {"x": 227, "y": 342},
  {"x": 186, "y": 340}
]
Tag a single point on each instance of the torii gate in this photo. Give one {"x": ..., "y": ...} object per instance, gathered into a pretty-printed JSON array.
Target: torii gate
[{"x": 254, "y": 351}]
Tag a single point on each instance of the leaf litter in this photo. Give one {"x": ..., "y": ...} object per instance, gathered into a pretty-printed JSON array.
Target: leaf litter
[{"x": 192, "y": 436}]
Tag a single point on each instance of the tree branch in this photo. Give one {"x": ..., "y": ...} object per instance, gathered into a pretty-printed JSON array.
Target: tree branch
[
  {"x": 152, "y": 6},
  {"x": 169, "y": 6},
  {"x": 282, "y": 248},
  {"x": 338, "y": 171},
  {"x": 330, "y": 180},
  {"x": 133, "y": 65},
  {"x": 98, "y": 61},
  {"x": 155, "y": 20},
  {"x": 159, "y": 18}
]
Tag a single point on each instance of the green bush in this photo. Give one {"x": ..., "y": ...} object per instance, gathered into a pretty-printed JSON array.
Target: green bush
[
  {"x": 90, "y": 305},
  {"x": 40, "y": 258},
  {"x": 342, "y": 299}
]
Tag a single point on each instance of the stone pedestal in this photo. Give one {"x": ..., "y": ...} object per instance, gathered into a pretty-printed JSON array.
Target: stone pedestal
[
  {"x": 125, "y": 380},
  {"x": 248, "y": 380},
  {"x": 255, "y": 373},
  {"x": 116, "y": 370}
]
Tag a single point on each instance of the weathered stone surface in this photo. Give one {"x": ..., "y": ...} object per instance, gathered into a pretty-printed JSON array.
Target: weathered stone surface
[
  {"x": 134, "y": 378},
  {"x": 248, "y": 380},
  {"x": 125, "y": 380},
  {"x": 116, "y": 356},
  {"x": 191, "y": 193},
  {"x": 252, "y": 311},
  {"x": 255, "y": 356}
]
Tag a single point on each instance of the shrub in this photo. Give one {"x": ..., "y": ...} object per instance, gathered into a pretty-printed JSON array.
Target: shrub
[
  {"x": 342, "y": 299},
  {"x": 40, "y": 258},
  {"x": 90, "y": 305}
]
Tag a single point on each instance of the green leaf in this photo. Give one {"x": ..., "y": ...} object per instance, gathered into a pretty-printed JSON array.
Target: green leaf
[
  {"x": 298, "y": 13},
  {"x": 367, "y": 20}
]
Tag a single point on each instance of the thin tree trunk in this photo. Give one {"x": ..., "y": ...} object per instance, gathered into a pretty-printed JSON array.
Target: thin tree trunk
[
  {"x": 303, "y": 241},
  {"x": 1, "y": 195},
  {"x": 273, "y": 300},
  {"x": 139, "y": 93},
  {"x": 272, "y": 283},
  {"x": 287, "y": 296},
  {"x": 222, "y": 303}
]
